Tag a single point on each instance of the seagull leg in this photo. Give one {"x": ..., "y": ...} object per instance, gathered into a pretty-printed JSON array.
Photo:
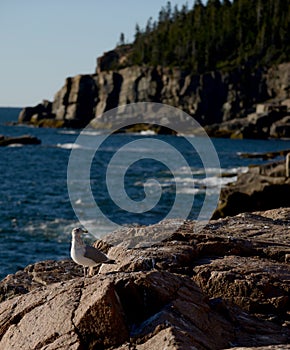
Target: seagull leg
[
  {"x": 91, "y": 271},
  {"x": 85, "y": 271}
]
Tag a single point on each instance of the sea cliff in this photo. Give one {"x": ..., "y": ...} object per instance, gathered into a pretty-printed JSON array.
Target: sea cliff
[{"x": 214, "y": 98}]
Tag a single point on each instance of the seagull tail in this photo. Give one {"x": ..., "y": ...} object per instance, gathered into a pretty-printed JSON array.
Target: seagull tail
[{"x": 110, "y": 261}]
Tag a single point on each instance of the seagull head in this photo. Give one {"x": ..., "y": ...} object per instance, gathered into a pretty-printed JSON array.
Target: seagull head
[{"x": 78, "y": 231}]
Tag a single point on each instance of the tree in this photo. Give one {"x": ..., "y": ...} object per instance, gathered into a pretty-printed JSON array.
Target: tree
[
  {"x": 122, "y": 39},
  {"x": 137, "y": 32},
  {"x": 220, "y": 34}
]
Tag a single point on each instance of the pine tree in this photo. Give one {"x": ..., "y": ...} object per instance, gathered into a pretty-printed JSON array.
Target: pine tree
[
  {"x": 220, "y": 34},
  {"x": 122, "y": 39}
]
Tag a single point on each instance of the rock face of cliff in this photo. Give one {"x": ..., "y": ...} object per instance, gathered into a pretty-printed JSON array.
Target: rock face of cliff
[{"x": 214, "y": 97}]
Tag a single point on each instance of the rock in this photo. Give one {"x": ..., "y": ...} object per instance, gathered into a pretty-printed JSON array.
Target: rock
[
  {"x": 35, "y": 276},
  {"x": 74, "y": 103},
  {"x": 113, "y": 58},
  {"x": 261, "y": 188},
  {"x": 137, "y": 308},
  {"x": 270, "y": 347},
  {"x": 223, "y": 287},
  {"x": 40, "y": 111},
  {"x": 256, "y": 285},
  {"x": 22, "y": 140},
  {"x": 266, "y": 155},
  {"x": 215, "y": 99},
  {"x": 201, "y": 96},
  {"x": 270, "y": 120},
  {"x": 69, "y": 316},
  {"x": 281, "y": 129},
  {"x": 238, "y": 128}
]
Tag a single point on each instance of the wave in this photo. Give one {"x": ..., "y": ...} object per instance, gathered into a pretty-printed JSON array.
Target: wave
[
  {"x": 215, "y": 181},
  {"x": 76, "y": 132},
  {"x": 16, "y": 145},
  {"x": 187, "y": 190},
  {"x": 237, "y": 170},
  {"x": 147, "y": 132},
  {"x": 69, "y": 146},
  {"x": 59, "y": 230},
  {"x": 91, "y": 133},
  {"x": 190, "y": 184},
  {"x": 56, "y": 229},
  {"x": 68, "y": 132}
]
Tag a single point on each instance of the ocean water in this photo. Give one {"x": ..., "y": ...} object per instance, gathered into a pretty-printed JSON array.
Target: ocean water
[{"x": 37, "y": 209}]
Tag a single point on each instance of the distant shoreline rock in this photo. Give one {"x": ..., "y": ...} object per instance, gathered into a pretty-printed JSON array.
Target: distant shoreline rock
[
  {"x": 271, "y": 120},
  {"x": 22, "y": 140}
]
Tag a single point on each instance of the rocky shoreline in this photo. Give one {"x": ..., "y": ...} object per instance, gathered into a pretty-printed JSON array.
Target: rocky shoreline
[{"x": 226, "y": 286}]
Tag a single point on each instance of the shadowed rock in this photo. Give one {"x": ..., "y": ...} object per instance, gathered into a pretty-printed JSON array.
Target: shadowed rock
[
  {"x": 21, "y": 140},
  {"x": 261, "y": 188}
]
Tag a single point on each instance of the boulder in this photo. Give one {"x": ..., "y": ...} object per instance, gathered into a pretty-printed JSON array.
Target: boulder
[
  {"x": 112, "y": 59},
  {"x": 22, "y": 140},
  {"x": 261, "y": 188},
  {"x": 255, "y": 284},
  {"x": 223, "y": 287},
  {"x": 281, "y": 128},
  {"x": 64, "y": 317},
  {"x": 238, "y": 128},
  {"x": 41, "y": 111},
  {"x": 38, "y": 275}
]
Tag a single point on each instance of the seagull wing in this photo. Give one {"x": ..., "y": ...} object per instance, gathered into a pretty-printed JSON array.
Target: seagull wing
[{"x": 95, "y": 254}]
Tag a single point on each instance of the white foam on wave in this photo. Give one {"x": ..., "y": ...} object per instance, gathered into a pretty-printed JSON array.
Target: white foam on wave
[
  {"x": 56, "y": 229},
  {"x": 196, "y": 171},
  {"x": 68, "y": 132},
  {"x": 60, "y": 229},
  {"x": 215, "y": 181},
  {"x": 16, "y": 145},
  {"x": 190, "y": 184},
  {"x": 147, "y": 132},
  {"x": 189, "y": 190},
  {"x": 237, "y": 170},
  {"x": 214, "y": 171},
  {"x": 185, "y": 181},
  {"x": 91, "y": 133},
  {"x": 69, "y": 146}
]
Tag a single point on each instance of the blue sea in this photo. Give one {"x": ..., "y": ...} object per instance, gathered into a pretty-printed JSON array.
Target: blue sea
[{"x": 37, "y": 212}]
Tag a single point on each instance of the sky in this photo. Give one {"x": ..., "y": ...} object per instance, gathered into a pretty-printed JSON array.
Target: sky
[{"x": 43, "y": 42}]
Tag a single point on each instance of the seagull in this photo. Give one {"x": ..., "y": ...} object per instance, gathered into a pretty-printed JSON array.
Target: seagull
[{"x": 86, "y": 255}]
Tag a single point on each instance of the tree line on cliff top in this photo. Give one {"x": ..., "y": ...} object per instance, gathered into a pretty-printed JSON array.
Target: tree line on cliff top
[{"x": 218, "y": 35}]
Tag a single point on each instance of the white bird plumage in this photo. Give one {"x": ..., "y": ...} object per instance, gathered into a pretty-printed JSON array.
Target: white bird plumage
[{"x": 86, "y": 255}]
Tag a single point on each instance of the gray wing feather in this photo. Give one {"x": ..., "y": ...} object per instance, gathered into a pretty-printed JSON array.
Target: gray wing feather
[{"x": 95, "y": 254}]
